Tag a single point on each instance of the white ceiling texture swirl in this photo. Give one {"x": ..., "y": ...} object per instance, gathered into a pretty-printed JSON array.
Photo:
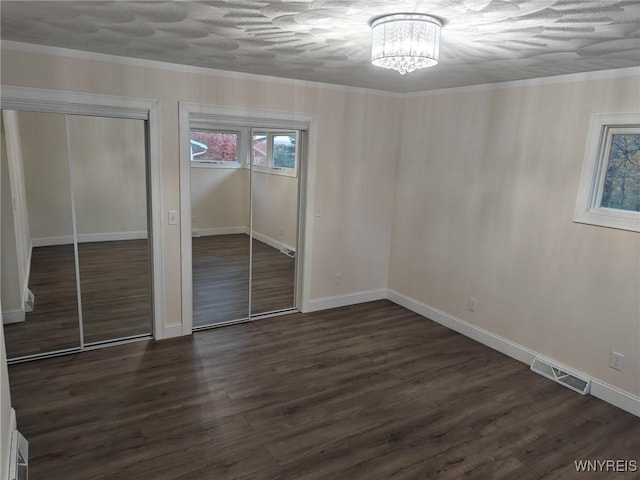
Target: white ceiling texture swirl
[{"x": 483, "y": 41}]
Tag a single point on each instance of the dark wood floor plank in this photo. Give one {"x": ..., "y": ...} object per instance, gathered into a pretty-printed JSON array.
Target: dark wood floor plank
[
  {"x": 370, "y": 391},
  {"x": 116, "y": 297},
  {"x": 221, "y": 279}
]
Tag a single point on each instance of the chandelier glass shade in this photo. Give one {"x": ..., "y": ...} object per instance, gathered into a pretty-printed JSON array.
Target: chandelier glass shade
[{"x": 405, "y": 42}]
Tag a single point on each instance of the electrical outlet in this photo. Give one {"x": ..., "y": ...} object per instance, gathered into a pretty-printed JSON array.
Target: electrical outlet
[
  {"x": 472, "y": 304},
  {"x": 338, "y": 278},
  {"x": 616, "y": 361}
]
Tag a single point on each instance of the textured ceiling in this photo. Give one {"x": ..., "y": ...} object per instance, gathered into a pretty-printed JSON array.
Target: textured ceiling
[{"x": 483, "y": 41}]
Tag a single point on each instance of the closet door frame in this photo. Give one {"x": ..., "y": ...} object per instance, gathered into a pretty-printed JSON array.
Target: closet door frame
[
  {"x": 194, "y": 113},
  {"x": 29, "y": 99}
]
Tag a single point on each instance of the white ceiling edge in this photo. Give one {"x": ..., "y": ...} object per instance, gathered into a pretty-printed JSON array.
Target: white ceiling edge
[
  {"x": 174, "y": 67},
  {"x": 532, "y": 82}
]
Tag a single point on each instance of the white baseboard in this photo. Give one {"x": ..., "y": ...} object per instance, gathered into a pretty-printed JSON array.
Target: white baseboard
[
  {"x": 599, "y": 389},
  {"x": 90, "y": 237},
  {"x": 467, "y": 329},
  {"x": 172, "y": 331},
  {"x": 346, "y": 299},
  {"x": 206, "y": 232},
  {"x": 272, "y": 242},
  {"x": 13, "y": 316},
  {"x": 615, "y": 396}
]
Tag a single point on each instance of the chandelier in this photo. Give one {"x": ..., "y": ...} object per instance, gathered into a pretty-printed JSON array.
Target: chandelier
[{"x": 405, "y": 42}]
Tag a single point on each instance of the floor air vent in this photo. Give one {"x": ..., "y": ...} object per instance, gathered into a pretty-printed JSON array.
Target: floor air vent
[
  {"x": 569, "y": 380},
  {"x": 288, "y": 252}
]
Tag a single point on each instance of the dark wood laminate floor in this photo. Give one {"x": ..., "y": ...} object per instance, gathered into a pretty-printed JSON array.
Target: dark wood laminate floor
[
  {"x": 221, "y": 279},
  {"x": 116, "y": 300},
  {"x": 371, "y": 391}
]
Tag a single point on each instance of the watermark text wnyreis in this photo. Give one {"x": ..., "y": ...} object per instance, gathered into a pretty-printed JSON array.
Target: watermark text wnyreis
[{"x": 618, "y": 466}]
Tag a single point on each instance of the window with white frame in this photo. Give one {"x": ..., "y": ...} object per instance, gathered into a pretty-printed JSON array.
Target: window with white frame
[
  {"x": 215, "y": 148},
  {"x": 275, "y": 152},
  {"x": 609, "y": 191}
]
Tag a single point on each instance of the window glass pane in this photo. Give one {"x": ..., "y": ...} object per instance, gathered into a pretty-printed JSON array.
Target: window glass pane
[
  {"x": 260, "y": 150},
  {"x": 214, "y": 146},
  {"x": 284, "y": 151},
  {"x": 622, "y": 181}
]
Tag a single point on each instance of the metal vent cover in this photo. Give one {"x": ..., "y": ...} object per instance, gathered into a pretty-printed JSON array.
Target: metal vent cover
[{"x": 561, "y": 376}]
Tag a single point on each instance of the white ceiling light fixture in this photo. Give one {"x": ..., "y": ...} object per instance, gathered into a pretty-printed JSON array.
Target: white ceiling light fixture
[{"x": 405, "y": 42}]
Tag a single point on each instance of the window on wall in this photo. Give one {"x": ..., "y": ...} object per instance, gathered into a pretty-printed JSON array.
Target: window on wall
[
  {"x": 275, "y": 152},
  {"x": 609, "y": 192},
  {"x": 216, "y": 148}
]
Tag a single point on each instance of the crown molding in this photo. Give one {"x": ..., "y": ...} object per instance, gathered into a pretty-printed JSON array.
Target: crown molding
[
  {"x": 189, "y": 69},
  {"x": 532, "y": 82}
]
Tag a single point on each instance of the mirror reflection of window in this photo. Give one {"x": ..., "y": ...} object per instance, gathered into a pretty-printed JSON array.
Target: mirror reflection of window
[
  {"x": 213, "y": 147},
  {"x": 260, "y": 150},
  {"x": 275, "y": 152},
  {"x": 284, "y": 151}
]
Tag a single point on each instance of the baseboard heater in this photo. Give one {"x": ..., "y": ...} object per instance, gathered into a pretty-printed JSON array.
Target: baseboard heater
[
  {"x": 558, "y": 375},
  {"x": 18, "y": 457}
]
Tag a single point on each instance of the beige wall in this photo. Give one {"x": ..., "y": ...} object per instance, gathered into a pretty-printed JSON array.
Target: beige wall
[
  {"x": 219, "y": 198},
  {"x": 356, "y": 147},
  {"x": 485, "y": 195},
  {"x": 108, "y": 163},
  {"x": 275, "y": 207},
  {"x": 108, "y": 174},
  {"x": 44, "y": 156}
]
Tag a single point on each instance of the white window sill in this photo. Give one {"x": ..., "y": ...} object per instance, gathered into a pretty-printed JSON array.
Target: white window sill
[
  {"x": 287, "y": 172},
  {"x": 226, "y": 165},
  {"x": 606, "y": 217}
]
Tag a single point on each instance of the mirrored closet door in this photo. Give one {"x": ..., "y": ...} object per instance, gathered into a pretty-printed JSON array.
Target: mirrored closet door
[
  {"x": 107, "y": 158},
  {"x": 244, "y": 207},
  {"x": 220, "y": 224},
  {"x": 77, "y": 200},
  {"x": 37, "y": 214},
  {"x": 274, "y": 220}
]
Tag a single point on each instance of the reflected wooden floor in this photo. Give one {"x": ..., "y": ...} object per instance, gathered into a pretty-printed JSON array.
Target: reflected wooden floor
[
  {"x": 370, "y": 391},
  {"x": 221, "y": 279},
  {"x": 116, "y": 300}
]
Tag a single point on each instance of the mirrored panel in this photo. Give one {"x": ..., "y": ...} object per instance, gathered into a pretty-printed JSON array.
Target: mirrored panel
[
  {"x": 109, "y": 186},
  {"x": 220, "y": 225},
  {"x": 274, "y": 223},
  {"x": 39, "y": 295}
]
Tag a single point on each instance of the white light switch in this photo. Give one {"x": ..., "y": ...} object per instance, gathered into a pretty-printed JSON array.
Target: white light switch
[
  {"x": 173, "y": 217},
  {"x": 318, "y": 211}
]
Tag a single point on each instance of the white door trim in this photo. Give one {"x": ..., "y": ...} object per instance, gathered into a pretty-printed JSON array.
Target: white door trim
[
  {"x": 82, "y": 103},
  {"x": 19, "y": 201},
  {"x": 245, "y": 116}
]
